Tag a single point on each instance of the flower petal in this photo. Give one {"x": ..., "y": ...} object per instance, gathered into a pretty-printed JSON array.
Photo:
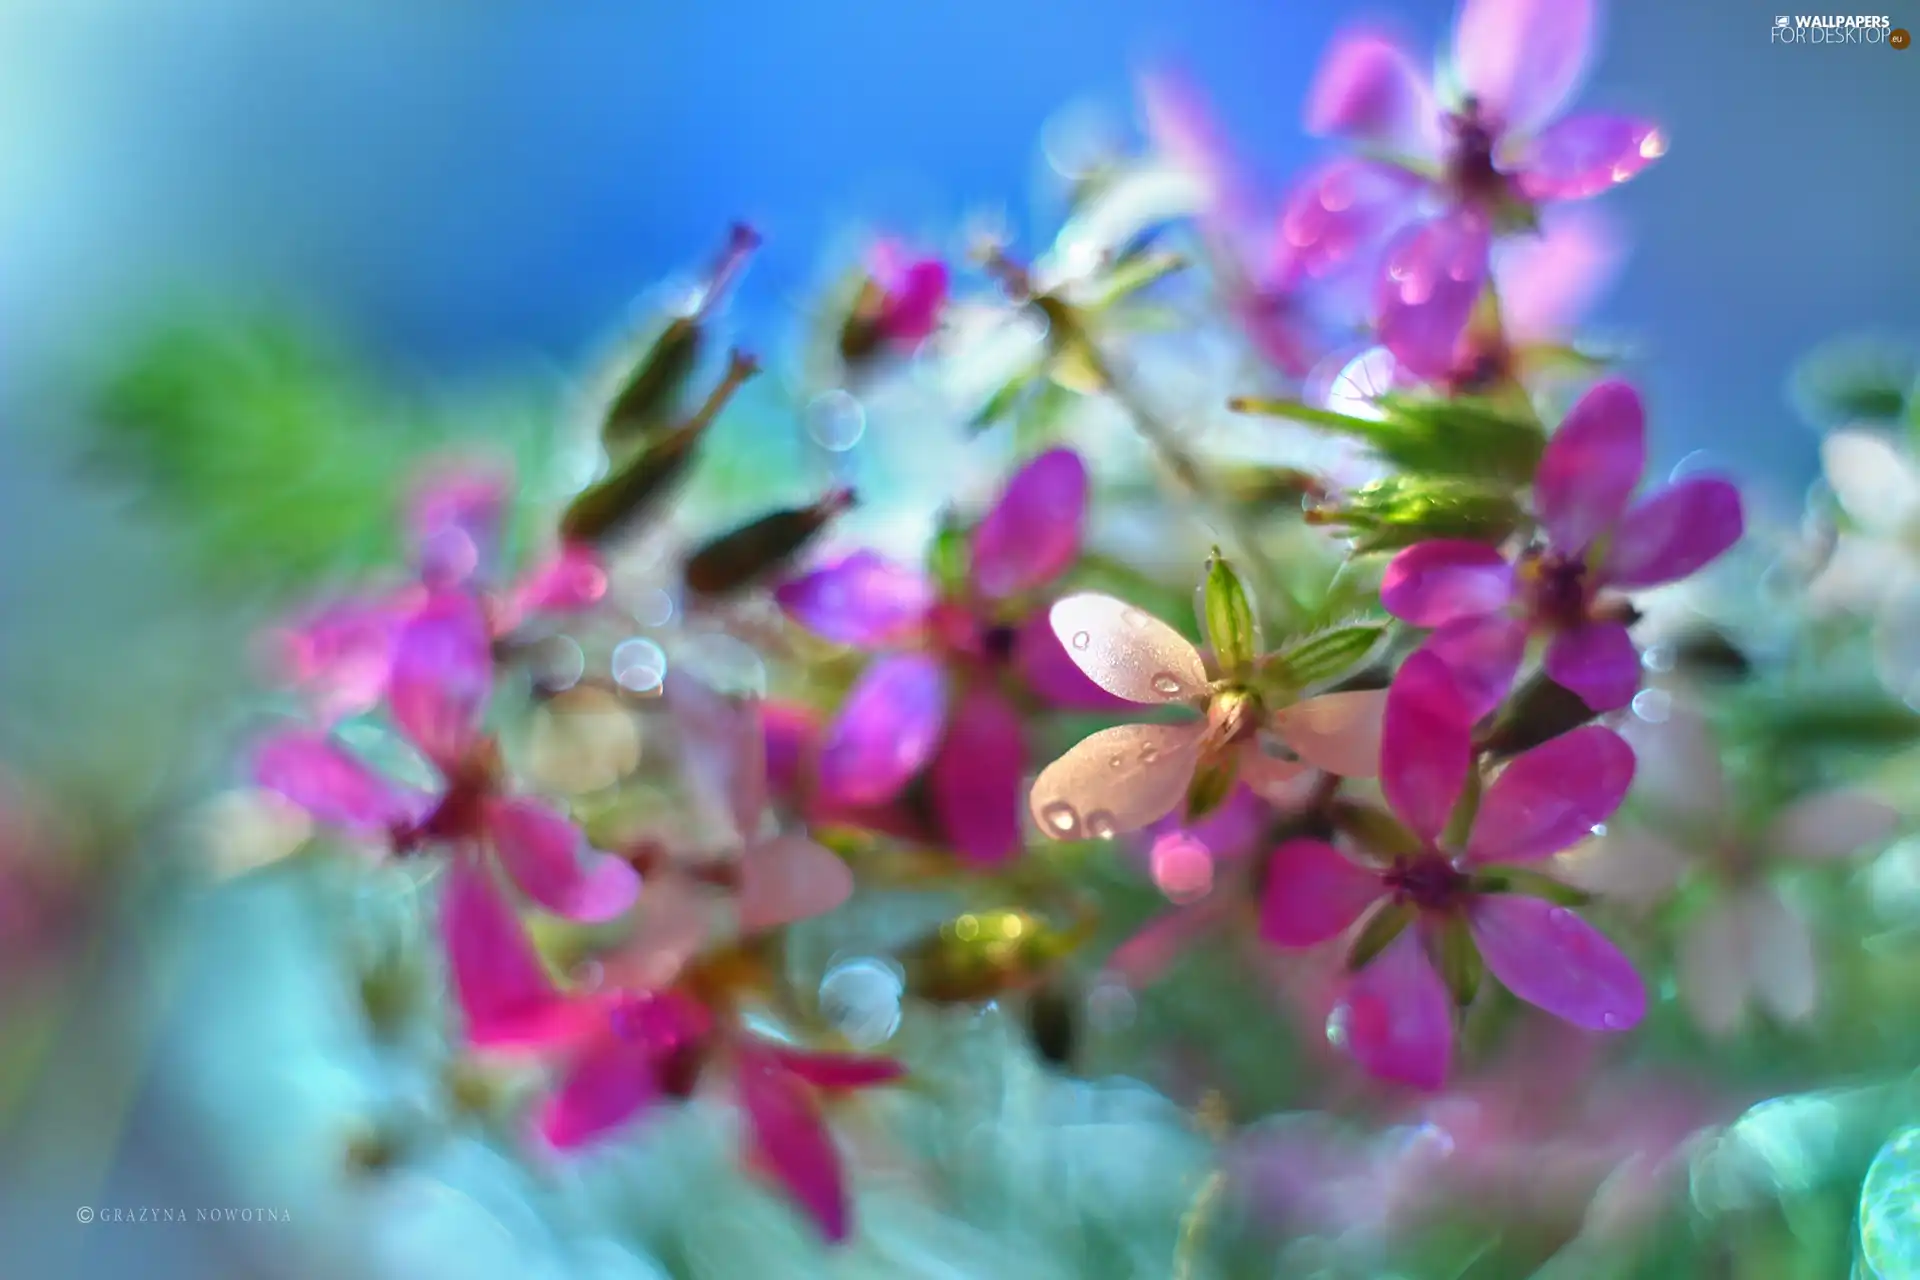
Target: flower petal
[
  {"x": 1396, "y": 1018},
  {"x": 1586, "y": 155},
  {"x": 1597, "y": 661},
  {"x": 887, "y": 730},
  {"x": 609, "y": 1083},
  {"x": 1679, "y": 773},
  {"x": 915, "y": 295},
  {"x": 504, "y": 994},
  {"x": 1555, "y": 961},
  {"x": 453, "y": 523},
  {"x": 1116, "y": 781},
  {"x": 1552, "y": 797},
  {"x": 791, "y": 735},
  {"x": 442, "y": 676},
  {"x": 862, "y": 599},
  {"x": 573, "y": 580},
  {"x": 723, "y": 750},
  {"x": 1780, "y": 959},
  {"x": 1127, "y": 651},
  {"x": 1522, "y": 59},
  {"x": 1313, "y": 894},
  {"x": 835, "y": 1070},
  {"x": 1336, "y": 732},
  {"x": 1280, "y": 782},
  {"x": 1483, "y": 654},
  {"x": 1045, "y": 667},
  {"x": 1343, "y": 211},
  {"x": 541, "y": 850},
  {"x": 1629, "y": 865},
  {"x": 1032, "y": 534},
  {"x": 1433, "y": 583},
  {"x": 1832, "y": 824},
  {"x": 1873, "y": 479},
  {"x": 1426, "y": 746},
  {"x": 1591, "y": 466},
  {"x": 1549, "y": 282},
  {"x": 311, "y": 770},
  {"x": 789, "y": 1138},
  {"x": 1229, "y": 833},
  {"x": 1369, "y": 90},
  {"x": 1674, "y": 532},
  {"x": 975, "y": 779},
  {"x": 787, "y": 879},
  {"x": 1713, "y": 966},
  {"x": 339, "y": 656},
  {"x": 1430, "y": 280}
]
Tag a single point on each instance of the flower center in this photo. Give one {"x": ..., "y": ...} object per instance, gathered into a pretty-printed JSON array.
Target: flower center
[
  {"x": 1429, "y": 881},
  {"x": 469, "y": 786},
  {"x": 1558, "y": 591},
  {"x": 1469, "y": 162},
  {"x": 1486, "y": 362},
  {"x": 998, "y": 642}
]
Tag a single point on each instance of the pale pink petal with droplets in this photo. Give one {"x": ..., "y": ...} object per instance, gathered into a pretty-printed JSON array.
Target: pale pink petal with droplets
[
  {"x": 1336, "y": 732},
  {"x": 1044, "y": 665},
  {"x": 1279, "y": 782},
  {"x": 1116, "y": 781},
  {"x": 1127, "y": 651}
]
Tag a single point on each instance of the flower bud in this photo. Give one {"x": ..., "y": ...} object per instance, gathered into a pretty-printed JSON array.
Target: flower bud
[
  {"x": 898, "y": 306},
  {"x": 1227, "y": 619},
  {"x": 746, "y": 555},
  {"x": 1397, "y": 512}
]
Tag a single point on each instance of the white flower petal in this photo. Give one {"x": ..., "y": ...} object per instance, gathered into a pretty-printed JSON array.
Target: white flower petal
[
  {"x": 1873, "y": 479},
  {"x": 1127, "y": 651},
  {"x": 1337, "y": 732},
  {"x": 1832, "y": 824},
  {"x": 1780, "y": 957},
  {"x": 1713, "y": 973},
  {"x": 1116, "y": 781}
]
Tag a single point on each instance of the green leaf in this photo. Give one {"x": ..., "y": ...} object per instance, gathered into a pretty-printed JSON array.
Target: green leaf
[
  {"x": 1003, "y": 402},
  {"x": 1833, "y": 719},
  {"x": 1386, "y": 923},
  {"x": 1375, "y": 830},
  {"x": 1466, "y": 437},
  {"x": 1531, "y": 884},
  {"x": 949, "y": 555},
  {"x": 1227, "y": 617},
  {"x": 1322, "y": 657},
  {"x": 1037, "y": 419}
]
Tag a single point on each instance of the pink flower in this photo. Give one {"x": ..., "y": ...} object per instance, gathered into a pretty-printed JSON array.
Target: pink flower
[
  {"x": 1484, "y": 607},
  {"x": 934, "y": 700},
  {"x": 437, "y": 694},
  {"x": 1490, "y": 155},
  {"x": 1120, "y": 779},
  {"x": 911, "y": 294},
  {"x": 1396, "y": 1017}
]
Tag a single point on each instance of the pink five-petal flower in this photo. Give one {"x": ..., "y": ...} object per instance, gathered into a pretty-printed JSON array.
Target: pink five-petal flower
[
  {"x": 786, "y": 1134},
  {"x": 913, "y": 293},
  {"x": 1434, "y": 273},
  {"x": 1121, "y": 779},
  {"x": 645, "y": 1046},
  {"x": 1482, "y": 608},
  {"x": 1544, "y": 801},
  {"x": 506, "y": 999}
]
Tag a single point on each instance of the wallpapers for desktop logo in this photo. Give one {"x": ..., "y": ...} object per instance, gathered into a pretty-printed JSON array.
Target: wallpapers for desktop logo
[{"x": 1856, "y": 29}]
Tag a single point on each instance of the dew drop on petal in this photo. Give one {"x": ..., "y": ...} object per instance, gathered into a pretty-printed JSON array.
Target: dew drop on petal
[
  {"x": 1081, "y": 639},
  {"x": 1611, "y": 1021},
  {"x": 1653, "y": 705},
  {"x": 1134, "y": 617},
  {"x": 640, "y": 665},
  {"x": 1061, "y": 817},
  {"x": 1166, "y": 682},
  {"x": 1149, "y": 753},
  {"x": 1100, "y": 825},
  {"x": 1116, "y": 761}
]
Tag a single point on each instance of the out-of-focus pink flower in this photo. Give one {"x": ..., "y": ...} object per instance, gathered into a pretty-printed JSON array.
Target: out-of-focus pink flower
[
  {"x": 1495, "y": 151},
  {"x": 1483, "y": 607},
  {"x": 1749, "y": 947},
  {"x": 1397, "y": 1015},
  {"x": 1121, "y": 779},
  {"x": 934, "y": 700},
  {"x": 912, "y": 294},
  {"x": 437, "y": 694}
]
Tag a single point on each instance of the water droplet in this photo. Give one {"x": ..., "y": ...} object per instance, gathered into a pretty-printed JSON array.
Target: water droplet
[
  {"x": 1166, "y": 682},
  {"x": 640, "y": 665},
  {"x": 1149, "y": 753},
  {"x": 836, "y": 421},
  {"x": 1653, "y": 705},
  {"x": 1658, "y": 658},
  {"x": 1101, "y": 825},
  {"x": 1116, "y": 760},
  {"x": 1081, "y": 639},
  {"x": 1560, "y": 916},
  {"x": 1060, "y": 818},
  {"x": 1134, "y": 617},
  {"x": 1611, "y": 1021}
]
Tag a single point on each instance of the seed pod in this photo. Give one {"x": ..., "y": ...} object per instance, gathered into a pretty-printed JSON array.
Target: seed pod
[{"x": 736, "y": 560}]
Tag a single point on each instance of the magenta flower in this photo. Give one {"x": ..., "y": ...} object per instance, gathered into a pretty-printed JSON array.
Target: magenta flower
[
  {"x": 1396, "y": 1017},
  {"x": 909, "y": 294},
  {"x": 1488, "y": 156},
  {"x": 1483, "y": 607},
  {"x": 934, "y": 700},
  {"x": 437, "y": 692}
]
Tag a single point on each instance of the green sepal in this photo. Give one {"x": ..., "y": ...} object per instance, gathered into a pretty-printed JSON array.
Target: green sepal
[
  {"x": 1321, "y": 657},
  {"x": 1458, "y": 962},
  {"x": 648, "y": 402},
  {"x": 1530, "y": 884},
  {"x": 1399, "y": 511},
  {"x": 1539, "y": 712},
  {"x": 1386, "y": 923},
  {"x": 1227, "y": 619},
  {"x": 1465, "y": 809},
  {"x": 1133, "y": 273},
  {"x": 949, "y": 554},
  {"x": 1374, "y": 829},
  {"x": 747, "y": 554},
  {"x": 1212, "y": 784},
  {"x": 624, "y": 500},
  {"x": 1465, "y": 437},
  {"x": 1004, "y": 401}
]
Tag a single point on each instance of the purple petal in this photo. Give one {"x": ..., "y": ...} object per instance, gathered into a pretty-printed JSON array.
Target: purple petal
[
  {"x": 1426, "y": 747},
  {"x": 1369, "y": 90},
  {"x": 541, "y": 850},
  {"x": 1555, "y": 961},
  {"x": 1549, "y": 282},
  {"x": 1522, "y": 59},
  {"x": 915, "y": 292},
  {"x": 861, "y": 599},
  {"x": 454, "y": 524},
  {"x": 332, "y": 785},
  {"x": 834, "y": 1070},
  {"x": 1429, "y": 283},
  {"x": 1313, "y": 894},
  {"x": 1583, "y": 156},
  {"x": 1483, "y": 655},
  {"x": 886, "y": 731},
  {"x": 1433, "y": 583},
  {"x": 505, "y": 996},
  {"x": 1181, "y": 126},
  {"x": 1396, "y": 1018},
  {"x": 1340, "y": 213},
  {"x": 1050, "y": 672},
  {"x": 1591, "y": 465},
  {"x": 975, "y": 779},
  {"x": 609, "y": 1083},
  {"x": 339, "y": 657},
  {"x": 1227, "y": 834},
  {"x": 1551, "y": 798},
  {"x": 1599, "y": 662},
  {"x": 1032, "y": 534},
  {"x": 790, "y": 1140},
  {"x": 442, "y": 676},
  {"x": 1674, "y": 532}
]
